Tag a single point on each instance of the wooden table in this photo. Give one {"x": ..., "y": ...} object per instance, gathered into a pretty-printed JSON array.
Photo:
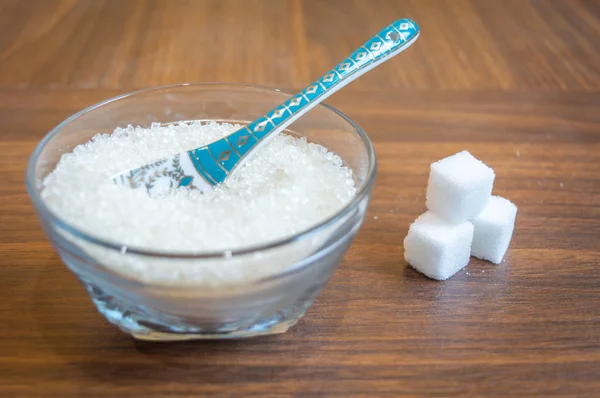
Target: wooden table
[{"x": 515, "y": 82}]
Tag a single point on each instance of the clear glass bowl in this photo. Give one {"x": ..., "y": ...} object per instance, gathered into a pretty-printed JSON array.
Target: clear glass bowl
[{"x": 156, "y": 311}]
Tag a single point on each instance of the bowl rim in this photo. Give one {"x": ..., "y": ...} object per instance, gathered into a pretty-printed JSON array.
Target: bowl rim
[{"x": 35, "y": 192}]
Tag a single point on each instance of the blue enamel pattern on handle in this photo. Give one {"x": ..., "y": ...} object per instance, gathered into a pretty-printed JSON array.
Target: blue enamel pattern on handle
[{"x": 218, "y": 159}]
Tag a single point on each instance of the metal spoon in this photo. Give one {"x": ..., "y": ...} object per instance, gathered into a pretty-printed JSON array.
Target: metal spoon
[{"x": 206, "y": 167}]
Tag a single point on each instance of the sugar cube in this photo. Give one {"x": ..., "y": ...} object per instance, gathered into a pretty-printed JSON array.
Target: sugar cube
[
  {"x": 436, "y": 247},
  {"x": 493, "y": 229},
  {"x": 459, "y": 187}
]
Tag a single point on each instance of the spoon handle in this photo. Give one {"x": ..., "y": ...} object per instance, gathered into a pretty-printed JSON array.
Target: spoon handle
[
  {"x": 208, "y": 166},
  {"x": 233, "y": 150}
]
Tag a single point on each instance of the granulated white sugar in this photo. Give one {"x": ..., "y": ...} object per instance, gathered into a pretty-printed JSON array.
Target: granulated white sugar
[{"x": 286, "y": 188}]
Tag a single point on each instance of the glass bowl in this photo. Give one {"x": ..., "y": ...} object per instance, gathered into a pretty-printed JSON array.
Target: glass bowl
[{"x": 266, "y": 304}]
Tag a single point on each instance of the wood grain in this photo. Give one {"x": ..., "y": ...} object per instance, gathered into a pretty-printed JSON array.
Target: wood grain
[
  {"x": 521, "y": 92},
  {"x": 469, "y": 44}
]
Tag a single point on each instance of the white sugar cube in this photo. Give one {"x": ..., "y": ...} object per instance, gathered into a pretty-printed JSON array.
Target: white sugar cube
[
  {"x": 459, "y": 187},
  {"x": 493, "y": 229},
  {"x": 436, "y": 247}
]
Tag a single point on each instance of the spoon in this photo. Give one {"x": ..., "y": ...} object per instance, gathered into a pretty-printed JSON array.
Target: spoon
[{"x": 206, "y": 167}]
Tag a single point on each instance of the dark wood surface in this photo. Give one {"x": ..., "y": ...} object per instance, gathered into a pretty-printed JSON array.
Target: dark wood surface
[{"x": 515, "y": 82}]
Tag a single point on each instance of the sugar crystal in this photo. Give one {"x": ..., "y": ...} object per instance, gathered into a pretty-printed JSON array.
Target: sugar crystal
[{"x": 287, "y": 187}]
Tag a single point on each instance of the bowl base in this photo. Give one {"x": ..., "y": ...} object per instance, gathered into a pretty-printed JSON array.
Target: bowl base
[
  {"x": 238, "y": 334},
  {"x": 144, "y": 324}
]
